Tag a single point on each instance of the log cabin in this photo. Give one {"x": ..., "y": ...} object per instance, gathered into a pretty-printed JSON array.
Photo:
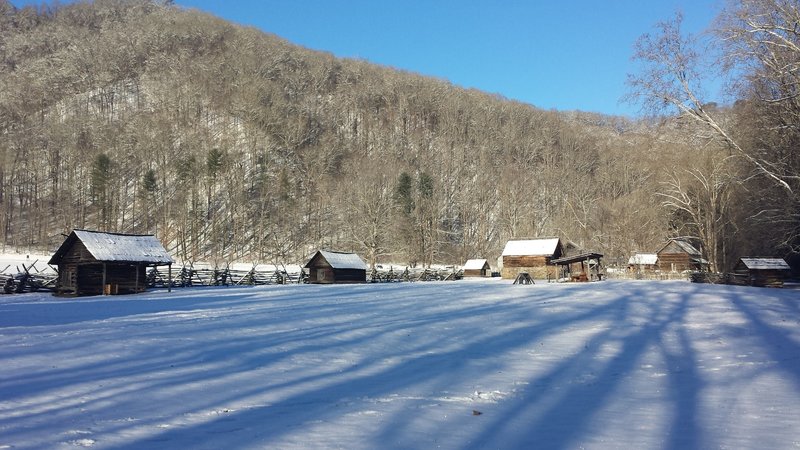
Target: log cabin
[
  {"x": 533, "y": 256},
  {"x": 678, "y": 255},
  {"x": 762, "y": 272},
  {"x": 329, "y": 267},
  {"x": 95, "y": 263}
]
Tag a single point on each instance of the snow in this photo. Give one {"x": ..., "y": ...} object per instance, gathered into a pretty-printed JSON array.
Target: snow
[
  {"x": 339, "y": 260},
  {"x": 474, "y": 264},
  {"x": 118, "y": 247},
  {"x": 643, "y": 259},
  {"x": 765, "y": 264},
  {"x": 12, "y": 263},
  {"x": 531, "y": 247},
  {"x": 456, "y": 365}
]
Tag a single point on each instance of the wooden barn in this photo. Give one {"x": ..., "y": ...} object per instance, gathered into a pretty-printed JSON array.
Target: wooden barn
[
  {"x": 763, "y": 272},
  {"x": 95, "y": 263},
  {"x": 328, "y": 267},
  {"x": 533, "y": 256},
  {"x": 678, "y": 255},
  {"x": 477, "y": 268},
  {"x": 643, "y": 262}
]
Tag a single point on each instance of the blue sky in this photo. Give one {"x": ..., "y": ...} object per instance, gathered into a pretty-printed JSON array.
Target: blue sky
[{"x": 559, "y": 54}]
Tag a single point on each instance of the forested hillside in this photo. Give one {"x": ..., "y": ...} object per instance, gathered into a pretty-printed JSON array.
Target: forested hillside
[{"x": 231, "y": 144}]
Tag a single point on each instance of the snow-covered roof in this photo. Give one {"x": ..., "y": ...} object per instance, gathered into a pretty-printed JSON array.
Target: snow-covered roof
[
  {"x": 765, "y": 263},
  {"x": 474, "y": 264},
  {"x": 113, "y": 247},
  {"x": 339, "y": 260},
  {"x": 531, "y": 247},
  {"x": 643, "y": 259}
]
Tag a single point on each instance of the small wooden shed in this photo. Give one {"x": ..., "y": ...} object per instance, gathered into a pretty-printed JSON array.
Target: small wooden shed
[
  {"x": 329, "y": 267},
  {"x": 763, "y": 272},
  {"x": 679, "y": 255},
  {"x": 533, "y": 256},
  {"x": 643, "y": 262},
  {"x": 477, "y": 268},
  {"x": 95, "y": 263}
]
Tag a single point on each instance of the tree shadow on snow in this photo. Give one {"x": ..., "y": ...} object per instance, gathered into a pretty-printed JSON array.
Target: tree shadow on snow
[{"x": 334, "y": 352}]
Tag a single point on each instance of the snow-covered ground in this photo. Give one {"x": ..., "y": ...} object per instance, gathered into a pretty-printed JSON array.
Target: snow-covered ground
[
  {"x": 14, "y": 263},
  {"x": 457, "y": 365}
]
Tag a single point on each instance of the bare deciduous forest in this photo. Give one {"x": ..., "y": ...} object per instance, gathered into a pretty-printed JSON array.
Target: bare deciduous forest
[{"x": 231, "y": 144}]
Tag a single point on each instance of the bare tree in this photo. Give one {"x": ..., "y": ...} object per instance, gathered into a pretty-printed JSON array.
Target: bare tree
[
  {"x": 368, "y": 211},
  {"x": 702, "y": 198},
  {"x": 672, "y": 77}
]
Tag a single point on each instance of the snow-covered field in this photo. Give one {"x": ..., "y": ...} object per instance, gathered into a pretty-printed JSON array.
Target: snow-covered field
[
  {"x": 14, "y": 263},
  {"x": 458, "y": 365}
]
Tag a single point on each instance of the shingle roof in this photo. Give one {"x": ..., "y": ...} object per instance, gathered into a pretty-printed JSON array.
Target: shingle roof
[
  {"x": 474, "y": 264},
  {"x": 765, "y": 264},
  {"x": 531, "y": 247},
  {"x": 114, "y": 247},
  {"x": 339, "y": 260},
  {"x": 685, "y": 246}
]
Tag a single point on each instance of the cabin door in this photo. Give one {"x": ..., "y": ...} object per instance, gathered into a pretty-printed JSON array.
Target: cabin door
[
  {"x": 320, "y": 274},
  {"x": 69, "y": 277}
]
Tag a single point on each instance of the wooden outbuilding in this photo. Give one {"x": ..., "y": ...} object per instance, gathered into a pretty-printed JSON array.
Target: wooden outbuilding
[
  {"x": 763, "y": 272},
  {"x": 583, "y": 267},
  {"x": 95, "y": 263},
  {"x": 533, "y": 256},
  {"x": 643, "y": 262},
  {"x": 476, "y": 268},
  {"x": 678, "y": 255},
  {"x": 329, "y": 267}
]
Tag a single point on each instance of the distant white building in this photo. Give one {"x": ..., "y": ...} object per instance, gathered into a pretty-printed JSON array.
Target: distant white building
[
  {"x": 476, "y": 268},
  {"x": 643, "y": 262}
]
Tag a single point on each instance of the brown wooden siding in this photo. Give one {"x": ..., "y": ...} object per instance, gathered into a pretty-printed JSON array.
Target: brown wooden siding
[
  {"x": 87, "y": 278},
  {"x": 757, "y": 277},
  {"x": 476, "y": 273},
  {"x": 525, "y": 261},
  {"x": 321, "y": 272},
  {"x": 677, "y": 262}
]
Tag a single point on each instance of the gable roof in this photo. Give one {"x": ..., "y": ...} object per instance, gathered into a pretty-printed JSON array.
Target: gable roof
[
  {"x": 475, "y": 264},
  {"x": 682, "y": 246},
  {"x": 643, "y": 259},
  {"x": 340, "y": 260},
  {"x": 532, "y": 247},
  {"x": 765, "y": 263},
  {"x": 116, "y": 247}
]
